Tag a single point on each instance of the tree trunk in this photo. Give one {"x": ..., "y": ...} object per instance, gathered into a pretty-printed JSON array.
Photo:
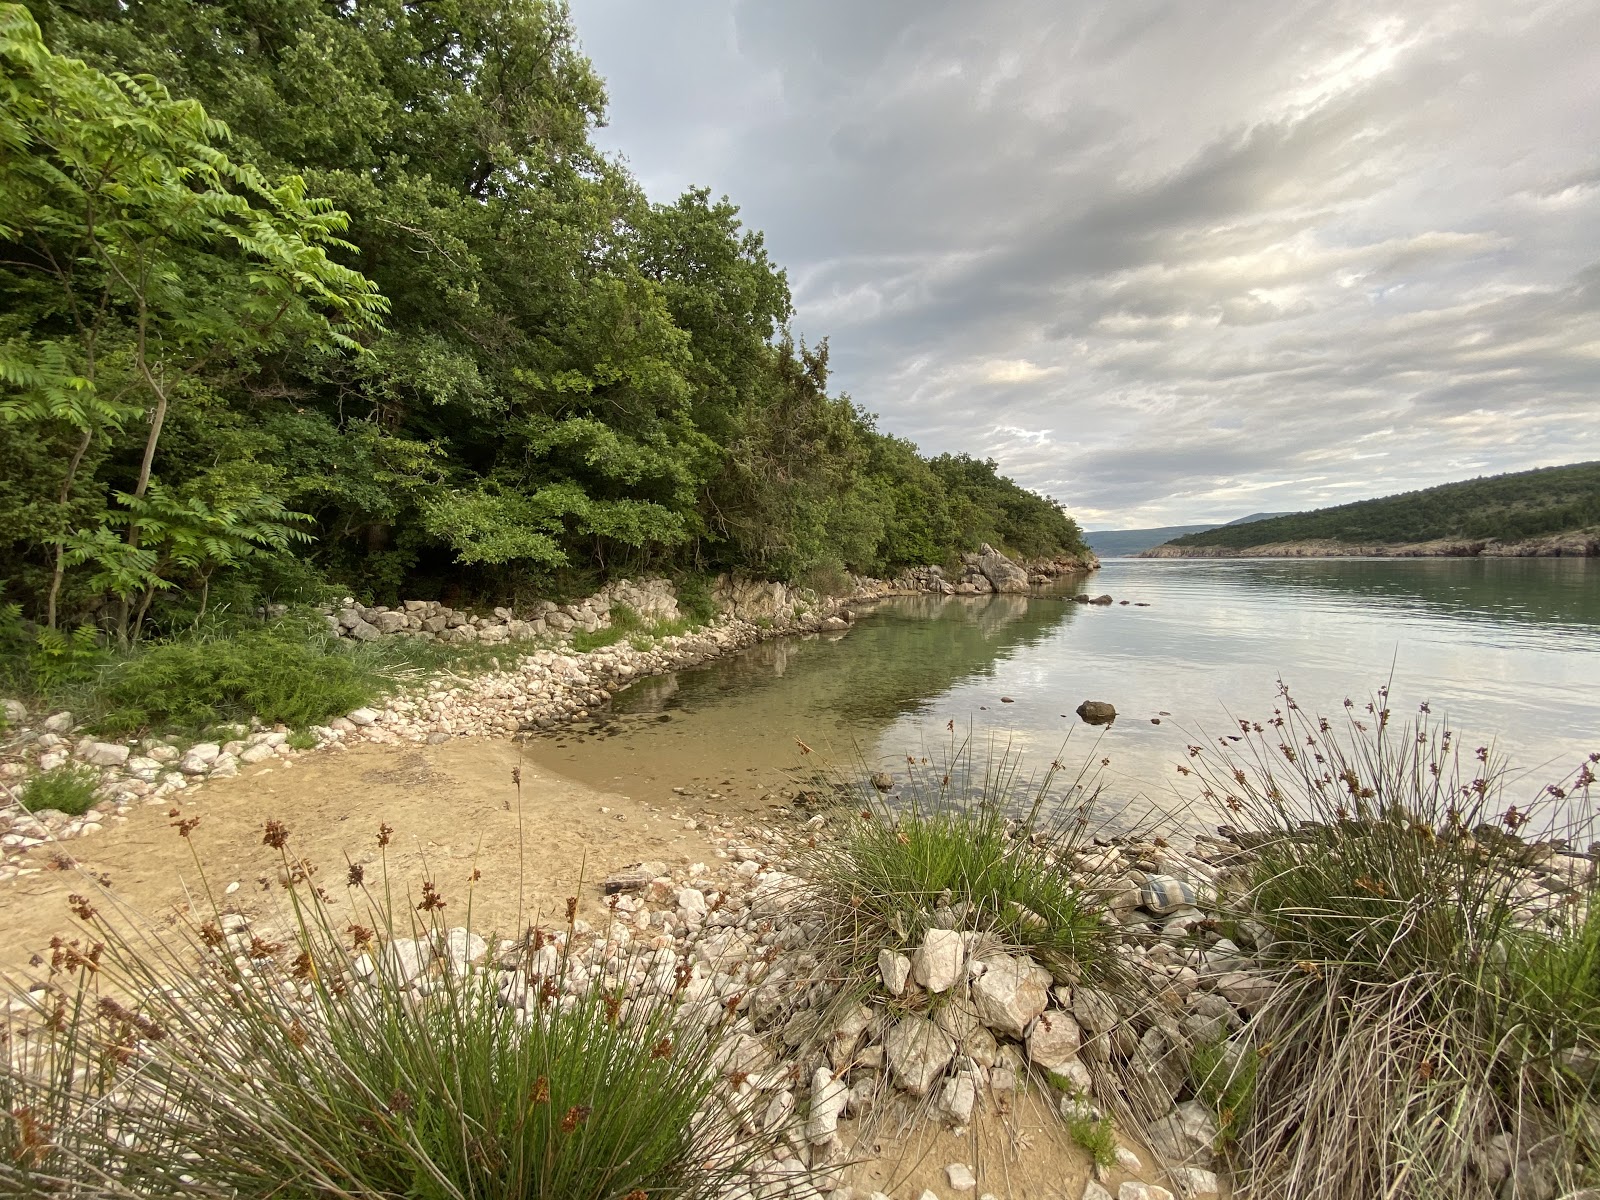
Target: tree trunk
[{"x": 61, "y": 547}]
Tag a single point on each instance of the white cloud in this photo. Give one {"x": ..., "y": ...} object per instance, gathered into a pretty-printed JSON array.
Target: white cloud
[{"x": 1160, "y": 259}]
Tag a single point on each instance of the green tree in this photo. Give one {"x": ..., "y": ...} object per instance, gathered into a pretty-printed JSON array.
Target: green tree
[{"x": 135, "y": 255}]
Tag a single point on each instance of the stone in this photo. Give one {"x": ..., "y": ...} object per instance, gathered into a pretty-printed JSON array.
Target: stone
[
  {"x": 1053, "y": 1040},
  {"x": 362, "y": 717},
  {"x": 408, "y": 958},
  {"x": 226, "y": 766},
  {"x": 1247, "y": 990},
  {"x": 918, "y": 1052},
  {"x": 1094, "y": 1010},
  {"x": 882, "y": 780},
  {"x": 634, "y": 878},
  {"x": 106, "y": 754},
  {"x": 959, "y": 1097},
  {"x": 1097, "y": 712},
  {"x": 895, "y": 969},
  {"x": 1003, "y": 574},
  {"x": 1011, "y": 993},
  {"x": 363, "y": 631},
  {"x": 1143, "y": 1191},
  {"x": 390, "y": 622},
  {"x": 14, "y": 711},
  {"x": 1186, "y": 1136},
  {"x": 462, "y": 948},
  {"x": 1166, "y": 894},
  {"x": 940, "y": 961},
  {"x": 256, "y": 754},
  {"x": 1093, "y": 1191},
  {"x": 1194, "y": 1183},
  {"x": 60, "y": 722},
  {"x": 960, "y": 1177},
  {"x": 692, "y": 904},
  {"x": 828, "y": 1096}
]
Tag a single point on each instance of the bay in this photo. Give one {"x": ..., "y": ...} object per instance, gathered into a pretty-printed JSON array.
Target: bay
[{"x": 1503, "y": 651}]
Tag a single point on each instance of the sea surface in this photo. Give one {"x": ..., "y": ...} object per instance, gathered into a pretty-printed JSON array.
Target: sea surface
[{"x": 1505, "y": 652}]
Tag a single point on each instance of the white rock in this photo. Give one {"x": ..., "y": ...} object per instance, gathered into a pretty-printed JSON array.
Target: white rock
[
  {"x": 225, "y": 766},
  {"x": 1011, "y": 993},
  {"x": 15, "y": 711},
  {"x": 958, "y": 1097},
  {"x": 60, "y": 722},
  {"x": 1093, "y": 1191},
  {"x": 691, "y": 903},
  {"x": 828, "y": 1096},
  {"x": 1194, "y": 1183},
  {"x": 1074, "y": 1076},
  {"x": 206, "y": 752},
  {"x": 1053, "y": 1040},
  {"x": 260, "y": 752},
  {"x": 408, "y": 958},
  {"x": 1187, "y": 1135},
  {"x": 940, "y": 961},
  {"x": 51, "y": 759},
  {"x": 960, "y": 1177},
  {"x": 1245, "y": 989},
  {"x": 1128, "y": 1161},
  {"x": 1143, "y": 1191},
  {"x": 462, "y": 948},
  {"x": 895, "y": 970},
  {"x": 362, "y": 717},
  {"x": 918, "y": 1052},
  {"x": 106, "y": 754}
]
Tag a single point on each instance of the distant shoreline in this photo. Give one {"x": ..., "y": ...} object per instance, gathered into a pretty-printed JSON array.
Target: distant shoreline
[{"x": 1582, "y": 544}]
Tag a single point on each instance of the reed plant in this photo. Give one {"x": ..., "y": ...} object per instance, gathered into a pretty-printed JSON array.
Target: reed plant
[
  {"x": 1416, "y": 1041},
  {"x": 369, "y": 1051},
  {"x": 971, "y": 844}
]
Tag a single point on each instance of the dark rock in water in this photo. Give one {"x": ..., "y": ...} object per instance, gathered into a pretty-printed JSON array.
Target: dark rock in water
[
  {"x": 1007, "y": 700},
  {"x": 882, "y": 780},
  {"x": 1081, "y": 598},
  {"x": 1101, "y": 600},
  {"x": 1097, "y": 712}
]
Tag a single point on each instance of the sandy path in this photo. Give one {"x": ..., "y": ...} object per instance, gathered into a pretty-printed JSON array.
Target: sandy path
[{"x": 453, "y": 810}]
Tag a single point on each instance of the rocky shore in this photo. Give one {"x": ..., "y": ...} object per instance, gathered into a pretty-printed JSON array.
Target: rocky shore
[
  {"x": 1582, "y": 544},
  {"x": 543, "y": 683}
]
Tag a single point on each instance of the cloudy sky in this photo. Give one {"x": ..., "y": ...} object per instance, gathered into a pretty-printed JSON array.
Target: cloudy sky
[{"x": 1166, "y": 260}]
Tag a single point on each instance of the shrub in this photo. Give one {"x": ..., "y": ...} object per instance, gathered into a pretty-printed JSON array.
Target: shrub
[
  {"x": 157, "y": 1066},
  {"x": 301, "y": 739},
  {"x": 290, "y": 671},
  {"x": 1405, "y": 1038},
  {"x": 1096, "y": 1135},
  {"x": 695, "y": 600},
  {"x": 69, "y": 789}
]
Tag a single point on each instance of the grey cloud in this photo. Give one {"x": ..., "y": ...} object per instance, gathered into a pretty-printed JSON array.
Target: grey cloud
[{"x": 1163, "y": 261}]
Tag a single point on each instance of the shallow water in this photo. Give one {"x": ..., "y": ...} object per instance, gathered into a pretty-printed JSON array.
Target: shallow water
[{"x": 1504, "y": 651}]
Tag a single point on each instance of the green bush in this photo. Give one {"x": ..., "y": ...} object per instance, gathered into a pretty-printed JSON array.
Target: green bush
[
  {"x": 695, "y": 600},
  {"x": 289, "y": 671},
  {"x": 68, "y": 789},
  {"x": 1096, "y": 1135}
]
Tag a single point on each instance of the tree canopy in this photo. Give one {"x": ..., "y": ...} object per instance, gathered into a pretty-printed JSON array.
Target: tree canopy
[{"x": 353, "y": 277}]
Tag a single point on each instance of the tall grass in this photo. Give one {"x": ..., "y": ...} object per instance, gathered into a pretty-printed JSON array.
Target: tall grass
[
  {"x": 219, "y": 1064},
  {"x": 1423, "y": 1012},
  {"x": 69, "y": 789},
  {"x": 970, "y": 843}
]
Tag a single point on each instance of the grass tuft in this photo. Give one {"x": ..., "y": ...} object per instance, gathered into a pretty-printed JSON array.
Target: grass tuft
[
  {"x": 1416, "y": 1043},
  {"x": 160, "y": 1064},
  {"x": 1095, "y": 1135},
  {"x": 67, "y": 789}
]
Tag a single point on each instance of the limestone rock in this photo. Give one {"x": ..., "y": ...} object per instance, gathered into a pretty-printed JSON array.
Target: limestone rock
[
  {"x": 1003, "y": 574},
  {"x": 1187, "y": 1135},
  {"x": 106, "y": 754},
  {"x": 918, "y": 1052},
  {"x": 1053, "y": 1040},
  {"x": 828, "y": 1096},
  {"x": 960, "y": 1177},
  {"x": 1011, "y": 993},
  {"x": 60, "y": 722},
  {"x": 895, "y": 970},
  {"x": 940, "y": 961}
]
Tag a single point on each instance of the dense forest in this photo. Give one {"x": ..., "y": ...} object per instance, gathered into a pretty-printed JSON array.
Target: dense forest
[
  {"x": 1510, "y": 507},
  {"x": 297, "y": 293}
]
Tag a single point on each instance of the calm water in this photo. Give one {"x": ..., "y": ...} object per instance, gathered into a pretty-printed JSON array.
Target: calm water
[{"x": 1506, "y": 651}]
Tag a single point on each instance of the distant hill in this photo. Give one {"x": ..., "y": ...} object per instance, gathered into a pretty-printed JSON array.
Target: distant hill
[
  {"x": 1122, "y": 543},
  {"x": 1506, "y": 509}
]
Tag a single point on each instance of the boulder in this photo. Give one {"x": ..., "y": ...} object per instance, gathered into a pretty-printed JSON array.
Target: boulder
[
  {"x": 1097, "y": 712},
  {"x": 60, "y": 722},
  {"x": 1003, "y": 574},
  {"x": 918, "y": 1052},
  {"x": 1011, "y": 993},
  {"x": 940, "y": 961},
  {"x": 1245, "y": 989},
  {"x": 390, "y": 622}
]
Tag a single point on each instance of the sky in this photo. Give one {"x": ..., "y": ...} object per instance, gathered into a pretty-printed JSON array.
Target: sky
[{"x": 1164, "y": 260}]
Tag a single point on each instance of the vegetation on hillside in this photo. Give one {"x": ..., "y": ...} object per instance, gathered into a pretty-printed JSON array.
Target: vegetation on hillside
[
  {"x": 294, "y": 293},
  {"x": 1522, "y": 504}
]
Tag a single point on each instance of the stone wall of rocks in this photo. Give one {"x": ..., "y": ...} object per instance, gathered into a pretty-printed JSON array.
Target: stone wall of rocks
[{"x": 652, "y": 599}]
